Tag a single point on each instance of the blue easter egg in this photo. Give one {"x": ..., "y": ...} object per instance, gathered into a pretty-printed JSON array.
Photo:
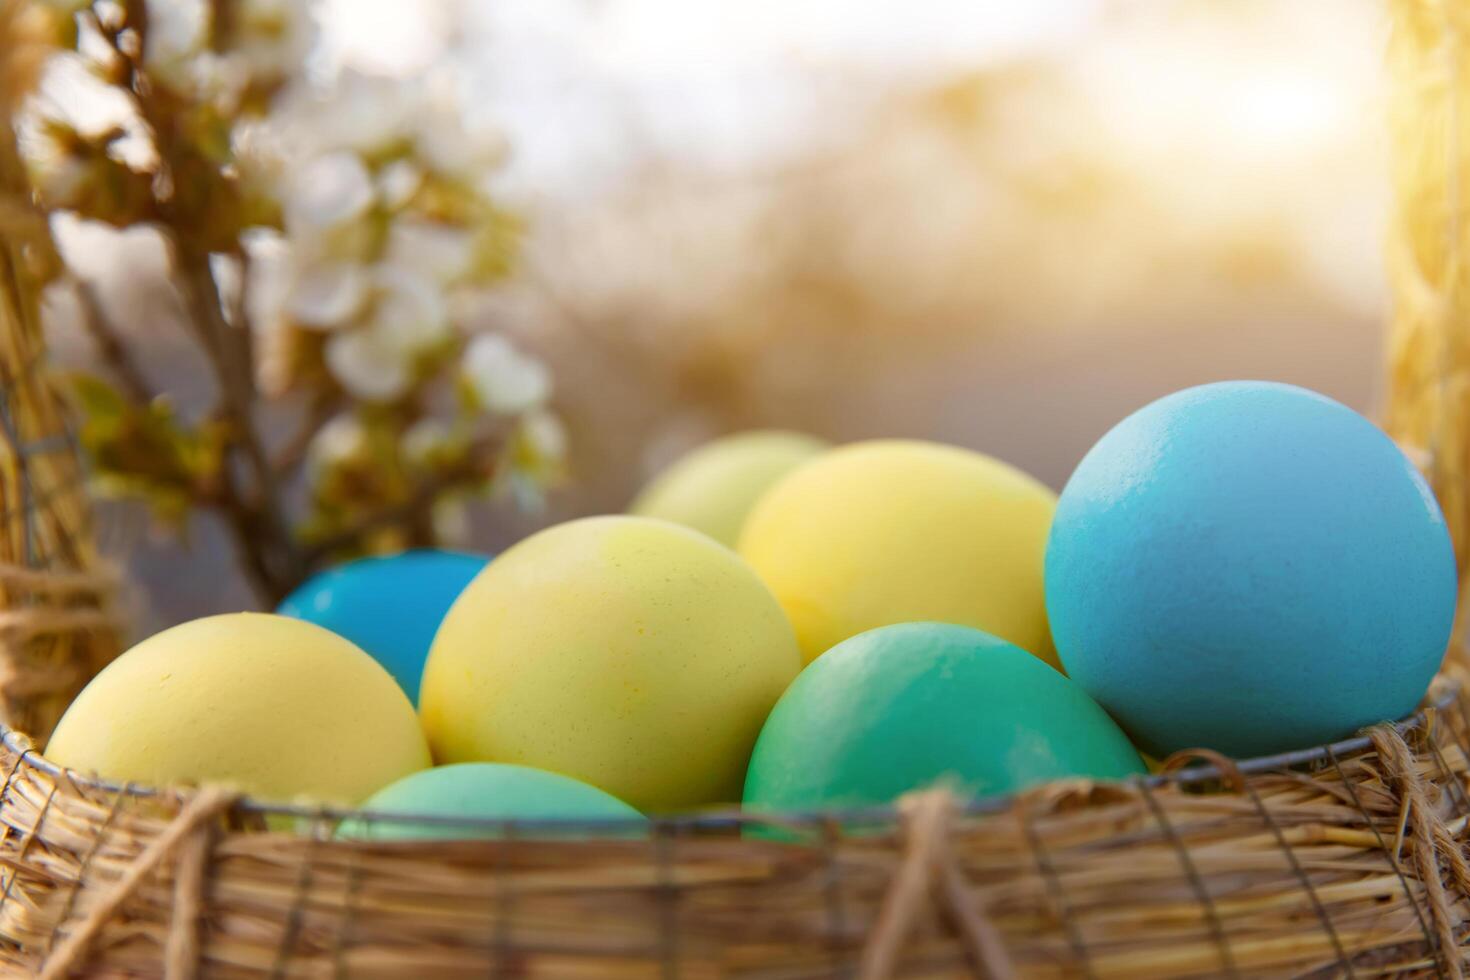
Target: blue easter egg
[
  {"x": 1249, "y": 567},
  {"x": 390, "y": 606}
]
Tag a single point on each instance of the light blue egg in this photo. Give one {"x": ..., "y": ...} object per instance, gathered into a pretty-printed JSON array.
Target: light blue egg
[
  {"x": 390, "y": 606},
  {"x": 1249, "y": 567},
  {"x": 491, "y": 791}
]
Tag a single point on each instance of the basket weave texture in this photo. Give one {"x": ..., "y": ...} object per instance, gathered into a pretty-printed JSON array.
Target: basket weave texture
[
  {"x": 1345, "y": 862},
  {"x": 58, "y": 621},
  {"x": 1350, "y": 863}
]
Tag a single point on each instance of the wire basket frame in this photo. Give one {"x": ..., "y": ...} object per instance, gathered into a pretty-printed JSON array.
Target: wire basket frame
[
  {"x": 1341, "y": 861},
  {"x": 1344, "y": 860}
]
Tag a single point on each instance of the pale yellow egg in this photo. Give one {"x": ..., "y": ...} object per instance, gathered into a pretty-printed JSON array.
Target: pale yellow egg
[
  {"x": 713, "y": 487},
  {"x": 276, "y": 707},
  {"x": 887, "y": 532},
  {"x": 631, "y": 653}
]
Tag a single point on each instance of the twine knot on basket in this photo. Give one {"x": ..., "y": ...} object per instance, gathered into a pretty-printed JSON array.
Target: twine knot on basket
[
  {"x": 929, "y": 870},
  {"x": 187, "y": 840}
]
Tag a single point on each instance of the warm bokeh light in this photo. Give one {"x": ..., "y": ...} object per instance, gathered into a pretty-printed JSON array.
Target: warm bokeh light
[{"x": 1003, "y": 226}]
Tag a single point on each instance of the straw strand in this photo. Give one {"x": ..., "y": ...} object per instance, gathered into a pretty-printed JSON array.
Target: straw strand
[
  {"x": 207, "y": 806},
  {"x": 1402, "y": 772}
]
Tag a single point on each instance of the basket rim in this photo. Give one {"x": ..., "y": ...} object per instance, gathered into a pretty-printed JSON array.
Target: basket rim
[{"x": 1443, "y": 692}]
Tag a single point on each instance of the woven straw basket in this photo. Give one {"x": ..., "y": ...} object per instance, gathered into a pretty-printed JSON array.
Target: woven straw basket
[
  {"x": 1343, "y": 861},
  {"x": 57, "y": 627}
]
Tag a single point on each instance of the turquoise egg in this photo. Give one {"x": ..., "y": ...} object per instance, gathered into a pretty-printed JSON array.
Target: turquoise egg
[
  {"x": 484, "y": 791},
  {"x": 390, "y": 606},
  {"x": 903, "y": 707},
  {"x": 1249, "y": 567}
]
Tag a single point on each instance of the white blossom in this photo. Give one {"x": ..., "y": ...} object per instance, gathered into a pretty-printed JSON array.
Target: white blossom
[
  {"x": 505, "y": 380},
  {"x": 439, "y": 252},
  {"x": 326, "y": 294},
  {"x": 261, "y": 156},
  {"x": 273, "y": 37},
  {"x": 327, "y": 192},
  {"x": 425, "y": 438},
  {"x": 545, "y": 433},
  {"x": 370, "y": 366},
  {"x": 451, "y": 147},
  {"x": 219, "y": 78},
  {"x": 227, "y": 278},
  {"x": 343, "y": 438},
  {"x": 376, "y": 361},
  {"x": 175, "y": 34},
  {"x": 409, "y": 312},
  {"x": 360, "y": 113},
  {"x": 451, "y": 519},
  {"x": 398, "y": 182}
]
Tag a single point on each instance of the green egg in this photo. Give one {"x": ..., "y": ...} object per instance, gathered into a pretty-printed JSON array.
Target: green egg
[
  {"x": 480, "y": 791},
  {"x": 905, "y": 707}
]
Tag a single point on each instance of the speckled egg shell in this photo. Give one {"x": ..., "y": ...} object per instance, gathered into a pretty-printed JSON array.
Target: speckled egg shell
[
  {"x": 1250, "y": 567},
  {"x": 634, "y": 654},
  {"x": 713, "y": 487},
  {"x": 904, "y": 707},
  {"x": 390, "y": 605},
  {"x": 478, "y": 792},
  {"x": 275, "y": 707}
]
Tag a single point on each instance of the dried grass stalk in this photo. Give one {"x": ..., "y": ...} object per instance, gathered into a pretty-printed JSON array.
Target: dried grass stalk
[
  {"x": 1428, "y": 409},
  {"x": 1353, "y": 866},
  {"x": 58, "y": 624}
]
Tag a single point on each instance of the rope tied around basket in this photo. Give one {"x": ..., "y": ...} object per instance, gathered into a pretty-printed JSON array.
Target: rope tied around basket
[
  {"x": 929, "y": 866},
  {"x": 1431, "y": 838},
  {"x": 188, "y": 834}
]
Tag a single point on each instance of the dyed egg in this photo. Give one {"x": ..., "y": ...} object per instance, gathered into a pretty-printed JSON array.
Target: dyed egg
[
  {"x": 278, "y": 708},
  {"x": 891, "y": 532},
  {"x": 907, "y": 706},
  {"x": 390, "y": 606},
  {"x": 713, "y": 488},
  {"x": 632, "y": 653},
  {"x": 481, "y": 791},
  {"x": 1249, "y": 567}
]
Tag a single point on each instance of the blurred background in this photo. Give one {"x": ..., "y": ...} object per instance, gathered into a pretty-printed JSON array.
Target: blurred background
[{"x": 1004, "y": 226}]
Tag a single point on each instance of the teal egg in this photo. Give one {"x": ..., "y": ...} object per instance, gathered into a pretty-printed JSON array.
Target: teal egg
[
  {"x": 903, "y": 707},
  {"x": 1249, "y": 567},
  {"x": 389, "y": 606},
  {"x": 483, "y": 791}
]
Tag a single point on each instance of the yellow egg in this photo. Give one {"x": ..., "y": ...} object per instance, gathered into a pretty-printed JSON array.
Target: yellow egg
[
  {"x": 713, "y": 488},
  {"x": 277, "y": 707},
  {"x": 630, "y": 653},
  {"x": 892, "y": 531}
]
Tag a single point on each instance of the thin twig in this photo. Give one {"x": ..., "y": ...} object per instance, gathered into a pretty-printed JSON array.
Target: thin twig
[
  {"x": 275, "y": 562},
  {"x": 115, "y": 354},
  {"x": 279, "y": 560},
  {"x": 318, "y": 413},
  {"x": 474, "y": 469}
]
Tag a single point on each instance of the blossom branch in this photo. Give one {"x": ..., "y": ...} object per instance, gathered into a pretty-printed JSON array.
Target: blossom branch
[
  {"x": 110, "y": 346},
  {"x": 293, "y": 453},
  {"x": 383, "y": 227},
  {"x": 272, "y": 556},
  {"x": 278, "y": 567},
  {"x": 471, "y": 471}
]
